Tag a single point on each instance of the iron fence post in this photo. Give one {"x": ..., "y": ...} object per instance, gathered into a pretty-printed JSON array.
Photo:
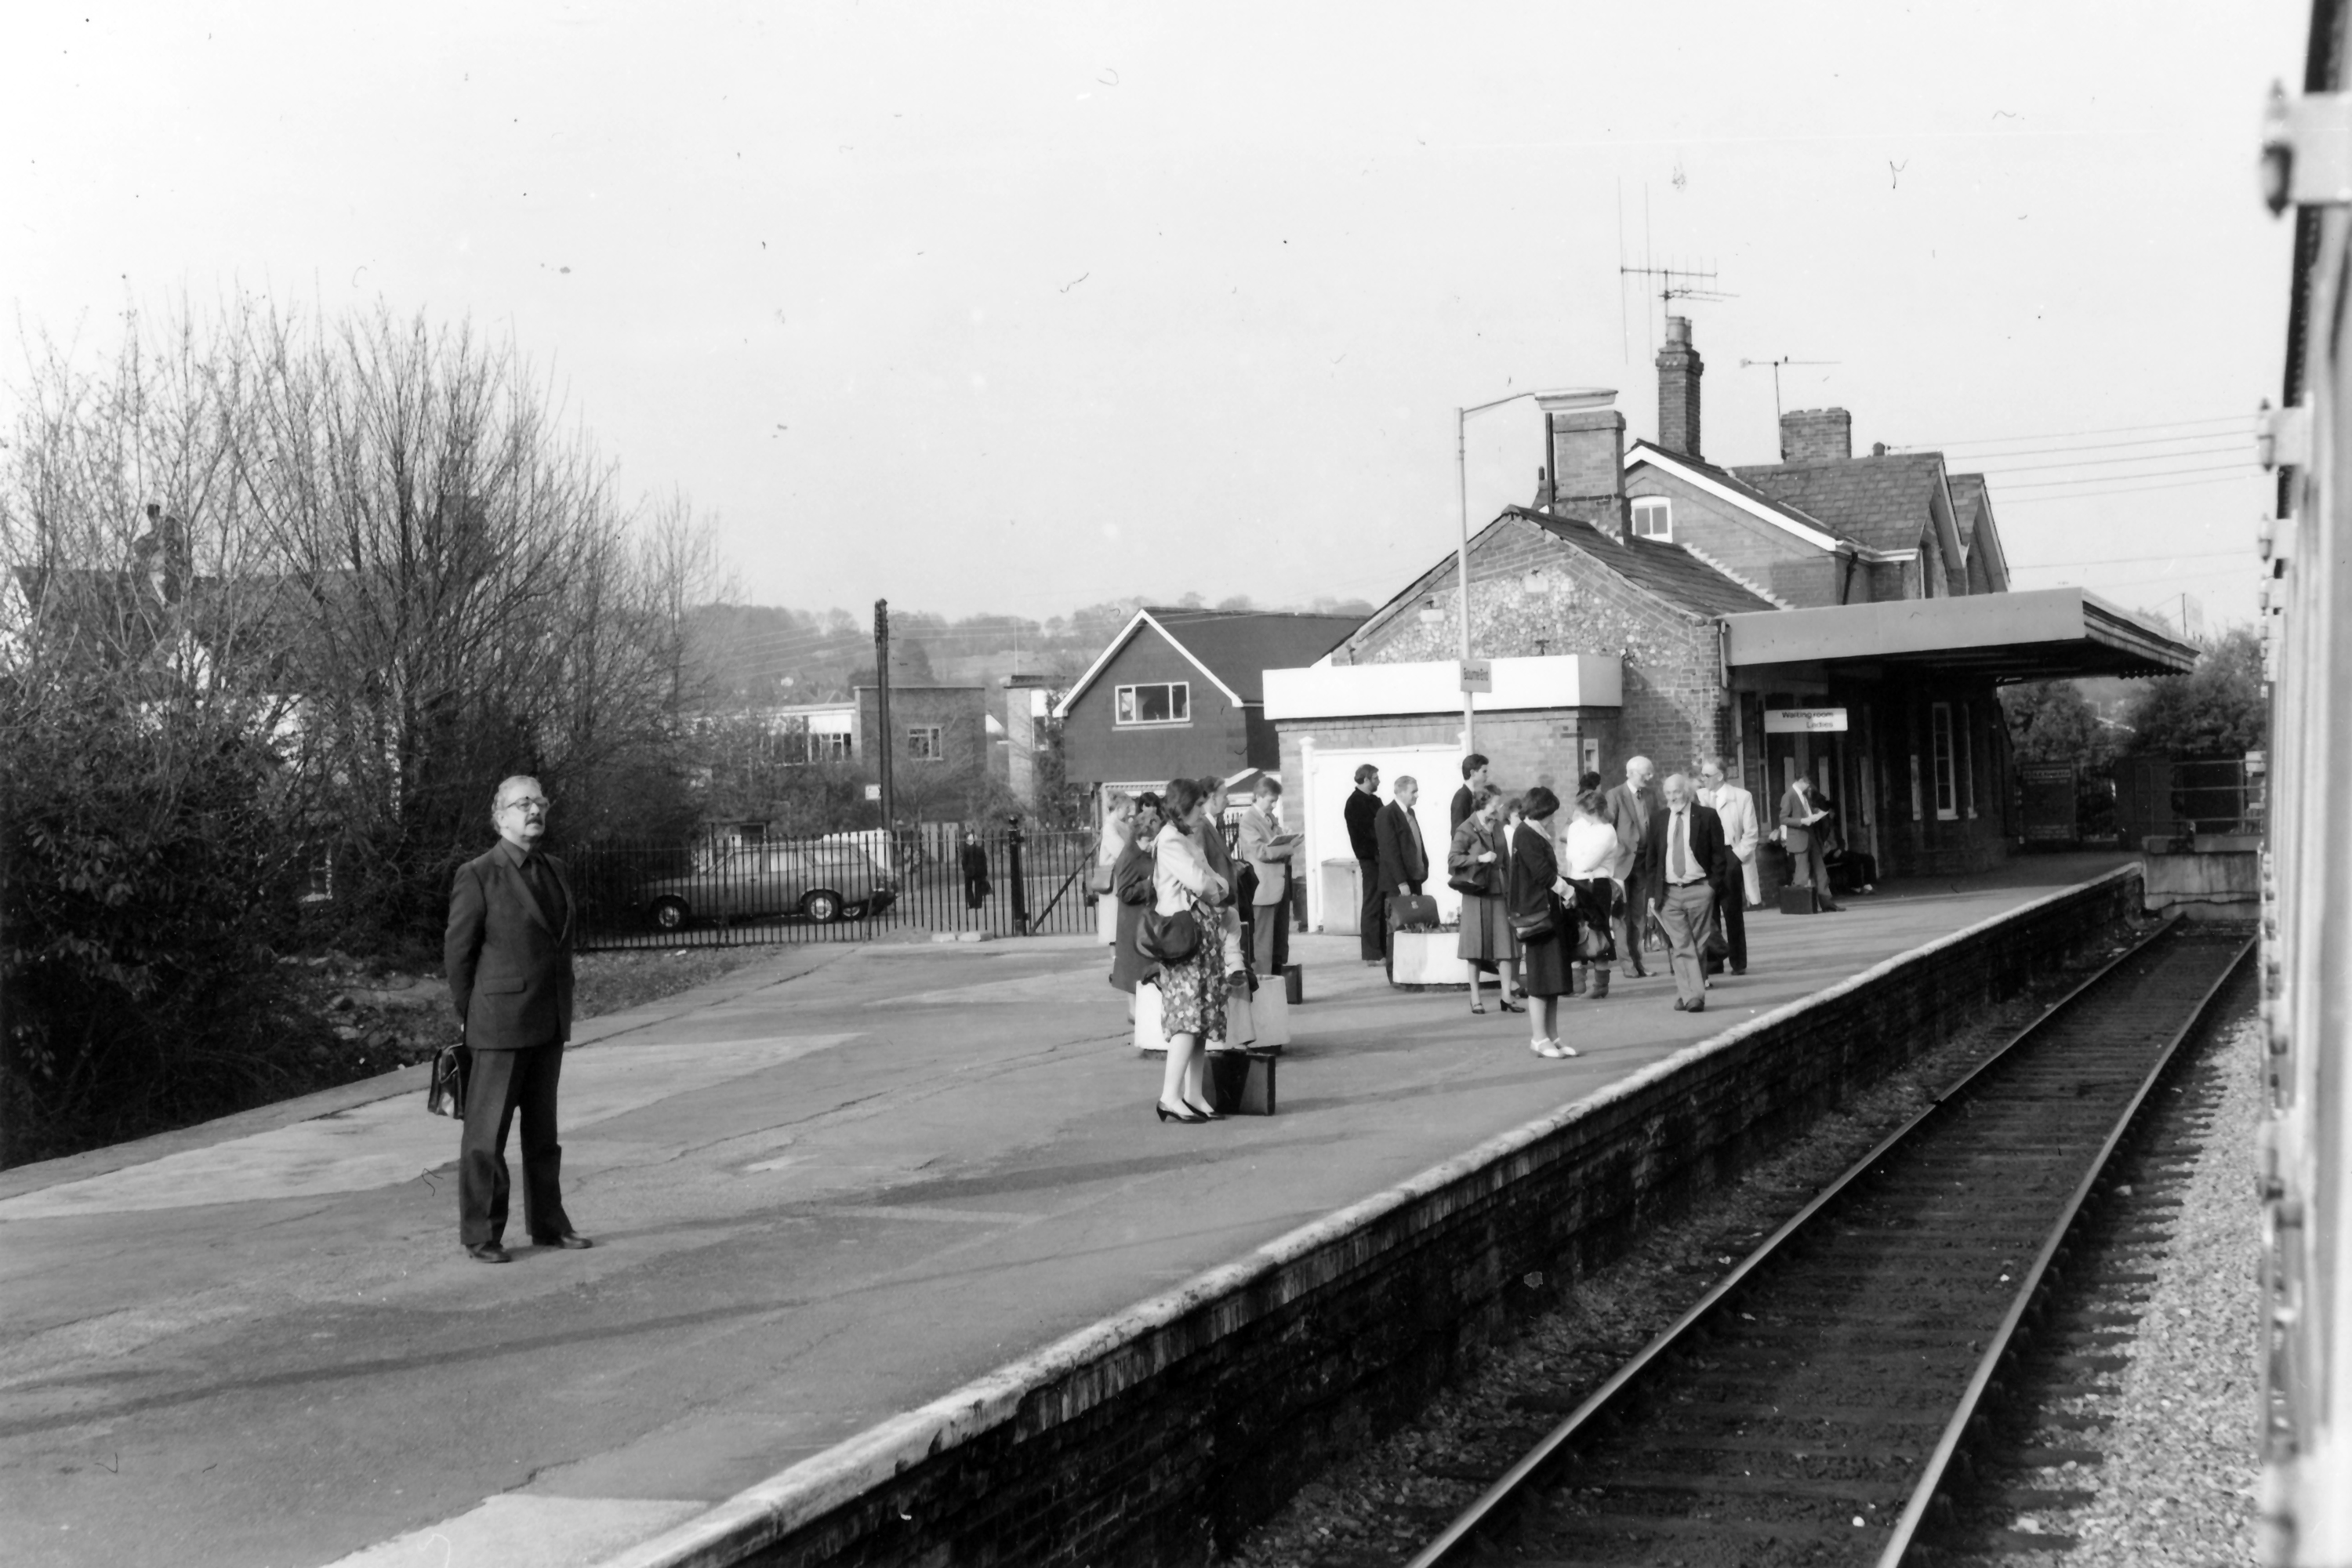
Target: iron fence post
[{"x": 1020, "y": 883}]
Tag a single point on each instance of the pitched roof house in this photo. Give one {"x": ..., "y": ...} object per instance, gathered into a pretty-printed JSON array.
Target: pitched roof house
[{"x": 1183, "y": 691}]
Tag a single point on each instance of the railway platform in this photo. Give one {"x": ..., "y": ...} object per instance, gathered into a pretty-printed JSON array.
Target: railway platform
[{"x": 824, "y": 1192}]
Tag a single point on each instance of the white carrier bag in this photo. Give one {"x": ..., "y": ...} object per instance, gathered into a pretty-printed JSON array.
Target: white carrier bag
[
  {"x": 1271, "y": 1009},
  {"x": 1148, "y": 1040}
]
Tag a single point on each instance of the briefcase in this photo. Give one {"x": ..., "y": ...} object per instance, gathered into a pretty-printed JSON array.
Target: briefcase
[
  {"x": 1796, "y": 901},
  {"x": 1412, "y": 911},
  {"x": 1240, "y": 1083},
  {"x": 444, "y": 1091}
]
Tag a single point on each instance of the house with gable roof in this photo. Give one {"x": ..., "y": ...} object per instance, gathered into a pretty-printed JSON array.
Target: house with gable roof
[
  {"x": 1848, "y": 618},
  {"x": 1182, "y": 692}
]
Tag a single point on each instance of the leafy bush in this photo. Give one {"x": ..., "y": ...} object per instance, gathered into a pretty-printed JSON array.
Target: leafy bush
[{"x": 147, "y": 881}]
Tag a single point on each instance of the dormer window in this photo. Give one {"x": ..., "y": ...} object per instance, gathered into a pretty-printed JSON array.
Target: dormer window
[{"x": 1653, "y": 517}]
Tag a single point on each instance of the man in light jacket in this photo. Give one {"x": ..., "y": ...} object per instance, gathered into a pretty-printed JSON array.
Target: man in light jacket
[
  {"x": 1630, "y": 806},
  {"x": 1804, "y": 818},
  {"x": 1269, "y": 866},
  {"x": 1741, "y": 887}
]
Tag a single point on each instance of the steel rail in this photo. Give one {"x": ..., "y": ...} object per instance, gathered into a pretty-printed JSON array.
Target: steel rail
[
  {"x": 1451, "y": 1546},
  {"x": 1997, "y": 1350}
]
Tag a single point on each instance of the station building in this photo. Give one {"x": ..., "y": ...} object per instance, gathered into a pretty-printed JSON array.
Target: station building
[{"x": 1848, "y": 617}]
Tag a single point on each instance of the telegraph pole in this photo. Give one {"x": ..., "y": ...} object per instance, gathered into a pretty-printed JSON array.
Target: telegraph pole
[{"x": 882, "y": 722}]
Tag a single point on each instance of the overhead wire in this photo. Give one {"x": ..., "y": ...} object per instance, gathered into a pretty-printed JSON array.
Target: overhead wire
[{"x": 2111, "y": 462}]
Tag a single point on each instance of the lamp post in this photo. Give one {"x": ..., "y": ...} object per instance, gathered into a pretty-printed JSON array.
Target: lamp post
[{"x": 1572, "y": 398}]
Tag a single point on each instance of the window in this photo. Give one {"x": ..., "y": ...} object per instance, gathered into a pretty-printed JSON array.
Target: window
[
  {"x": 1162, "y": 702},
  {"x": 1940, "y": 736},
  {"x": 923, "y": 743},
  {"x": 1653, "y": 517},
  {"x": 828, "y": 748}
]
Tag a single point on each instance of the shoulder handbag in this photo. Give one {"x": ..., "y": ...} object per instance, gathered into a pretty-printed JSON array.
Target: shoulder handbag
[
  {"x": 1168, "y": 939},
  {"x": 1476, "y": 881},
  {"x": 445, "y": 1089},
  {"x": 1536, "y": 928}
]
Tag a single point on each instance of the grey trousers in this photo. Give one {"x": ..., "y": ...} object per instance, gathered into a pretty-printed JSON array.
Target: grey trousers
[{"x": 1686, "y": 914}]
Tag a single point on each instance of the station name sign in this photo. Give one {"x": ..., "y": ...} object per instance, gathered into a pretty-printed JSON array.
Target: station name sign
[{"x": 1804, "y": 721}]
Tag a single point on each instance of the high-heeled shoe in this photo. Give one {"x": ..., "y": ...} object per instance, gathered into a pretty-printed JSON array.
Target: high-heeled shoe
[
  {"x": 1510, "y": 1007},
  {"x": 1204, "y": 1112},
  {"x": 1167, "y": 1115},
  {"x": 1480, "y": 1009}
]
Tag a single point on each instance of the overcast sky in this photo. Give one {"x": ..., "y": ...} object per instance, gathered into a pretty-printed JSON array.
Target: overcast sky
[{"x": 1014, "y": 308}]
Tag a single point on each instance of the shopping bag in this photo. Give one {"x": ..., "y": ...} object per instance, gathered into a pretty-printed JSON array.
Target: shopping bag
[
  {"x": 1241, "y": 1019},
  {"x": 1148, "y": 1037},
  {"x": 1271, "y": 1009}
]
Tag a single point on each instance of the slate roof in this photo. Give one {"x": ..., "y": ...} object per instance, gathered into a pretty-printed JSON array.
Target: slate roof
[
  {"x": 1731, "y": 481},
  {"x": 1668, "y": 570},
  {"x": 1882, "y": 502},
  {"x": 1969, "y": 502},
  {"x": 1240, "y": 645}
]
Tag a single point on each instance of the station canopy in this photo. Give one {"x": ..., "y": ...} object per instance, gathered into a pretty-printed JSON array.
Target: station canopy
[{"x": 2047, "y": 634}]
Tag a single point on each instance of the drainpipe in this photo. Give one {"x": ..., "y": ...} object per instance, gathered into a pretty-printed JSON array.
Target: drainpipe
[{"x": 1846, "y": 586}]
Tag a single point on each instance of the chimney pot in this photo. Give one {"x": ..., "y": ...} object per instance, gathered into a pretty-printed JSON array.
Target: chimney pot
[
  {"x": 1878, "y": 449},
  {"x": 1816, "y": 436}
]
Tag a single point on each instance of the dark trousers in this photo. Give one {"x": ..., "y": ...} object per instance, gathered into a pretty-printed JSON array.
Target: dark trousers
[
  {"x": 1633, "y": 925},
  {"x": 1374, "y": 921},
  {"x": 500, "y": 1083},
  {"x": 1731, "y": 909}
]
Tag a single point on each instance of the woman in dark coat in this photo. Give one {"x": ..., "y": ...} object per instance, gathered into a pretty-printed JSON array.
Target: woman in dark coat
[
  {"x": 976, "y": 885},
  {"x": 1130, "y": 888},
  {"x": 1546, "y": 962},
  {"x": 1475, "y": 868}
]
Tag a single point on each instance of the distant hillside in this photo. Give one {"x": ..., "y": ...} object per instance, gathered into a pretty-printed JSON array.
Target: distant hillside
[{"x": 768, "y": 654}]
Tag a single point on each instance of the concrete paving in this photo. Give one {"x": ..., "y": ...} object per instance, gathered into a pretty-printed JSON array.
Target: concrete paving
[{"x": 822, "y": 1190}]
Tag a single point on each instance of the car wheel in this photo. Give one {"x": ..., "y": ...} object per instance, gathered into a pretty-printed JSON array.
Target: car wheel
[
  {"x": 670, "y": 914},
  {"x": 853, "y": 911},
  {"x": 822, "y": 907}
]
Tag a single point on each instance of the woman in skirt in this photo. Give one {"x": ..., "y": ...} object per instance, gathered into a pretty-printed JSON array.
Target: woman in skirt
[
  {"x": 1475, "y": 867},
  {"x": 1546, "y": 928},
  {"x": 1192, "y": 993}
]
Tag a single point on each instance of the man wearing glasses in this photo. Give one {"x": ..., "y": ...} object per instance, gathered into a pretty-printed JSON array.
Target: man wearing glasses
[{"x": 508, "y": 955}]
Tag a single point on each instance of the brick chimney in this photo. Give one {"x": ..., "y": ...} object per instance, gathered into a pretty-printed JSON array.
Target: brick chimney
[
  {"x": 1816, "y": 436},
  {"x": 1587, "y": 456},
  {"x": 1679, "y": 368}
]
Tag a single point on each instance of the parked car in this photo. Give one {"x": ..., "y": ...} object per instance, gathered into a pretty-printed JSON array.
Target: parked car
[{"x": 820, "y": 882}]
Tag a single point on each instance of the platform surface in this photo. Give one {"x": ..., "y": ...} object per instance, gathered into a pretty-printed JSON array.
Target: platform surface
[{"x": 823, "y": 1190}]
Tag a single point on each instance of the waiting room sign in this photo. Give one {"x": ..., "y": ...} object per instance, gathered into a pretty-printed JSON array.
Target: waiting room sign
[{"x": 1804, "y": 721}]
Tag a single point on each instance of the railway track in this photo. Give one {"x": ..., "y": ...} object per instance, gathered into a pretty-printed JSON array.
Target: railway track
[{"x": 1826, "y": 1400}]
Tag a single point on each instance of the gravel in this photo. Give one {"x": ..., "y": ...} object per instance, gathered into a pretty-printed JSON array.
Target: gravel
[{"x": 2178, "y": 1483}]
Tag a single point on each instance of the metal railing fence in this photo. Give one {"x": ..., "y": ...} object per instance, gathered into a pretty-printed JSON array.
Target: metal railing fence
[
  {"x": 2165, "y": 797},
  {"x": 849, "y": 888}
]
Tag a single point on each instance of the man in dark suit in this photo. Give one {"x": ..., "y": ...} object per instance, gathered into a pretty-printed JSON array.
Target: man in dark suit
[
  {"x": 1682, "y": 861},
  {"x": 508, "y": 955},
  {"x": 1404, "y": 858},
  {"x": 1363, "y": 810},
  {"x": 1465, "y": 799},
  {"x": 1630, "y": 806}
]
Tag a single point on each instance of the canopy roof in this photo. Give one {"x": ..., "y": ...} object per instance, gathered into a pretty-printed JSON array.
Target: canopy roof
[{"x": 2044, "y": 635}]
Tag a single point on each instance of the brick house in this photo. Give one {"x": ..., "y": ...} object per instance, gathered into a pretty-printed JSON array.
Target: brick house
[
  {"x": 1182, "y": 692},
  {"x": 941, "y": 749},
  {"x": 1752, "y": 614}
]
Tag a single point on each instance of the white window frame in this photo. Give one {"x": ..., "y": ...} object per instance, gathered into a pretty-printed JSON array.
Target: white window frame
[
  {"x": 1123, "y": 705},
  {"x": 930, "y": 742},
  {"x": 1945, "y": 759},
  {"x": 1661, "y": 507}
]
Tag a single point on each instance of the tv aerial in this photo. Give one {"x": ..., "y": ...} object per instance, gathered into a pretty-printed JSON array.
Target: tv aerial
[
  {"x": 1672, "y": 281},
  {"x": 1776, "y": 365}
]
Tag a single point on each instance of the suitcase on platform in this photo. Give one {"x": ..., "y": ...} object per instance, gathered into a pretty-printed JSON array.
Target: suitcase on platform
[
  {"x": 1240, "y": 1083},
  {"x": 1799, "y": 901}
]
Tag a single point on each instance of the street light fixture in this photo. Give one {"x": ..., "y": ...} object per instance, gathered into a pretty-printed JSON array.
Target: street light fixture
[{"x": 1550, "y": 403}]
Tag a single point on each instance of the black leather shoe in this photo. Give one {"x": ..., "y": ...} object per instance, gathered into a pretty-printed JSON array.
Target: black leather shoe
[
  {"x": 489, "y": 1252},
  {"x": 1681, "y": 1006},
  {"x": 571, "y": 1241}
]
